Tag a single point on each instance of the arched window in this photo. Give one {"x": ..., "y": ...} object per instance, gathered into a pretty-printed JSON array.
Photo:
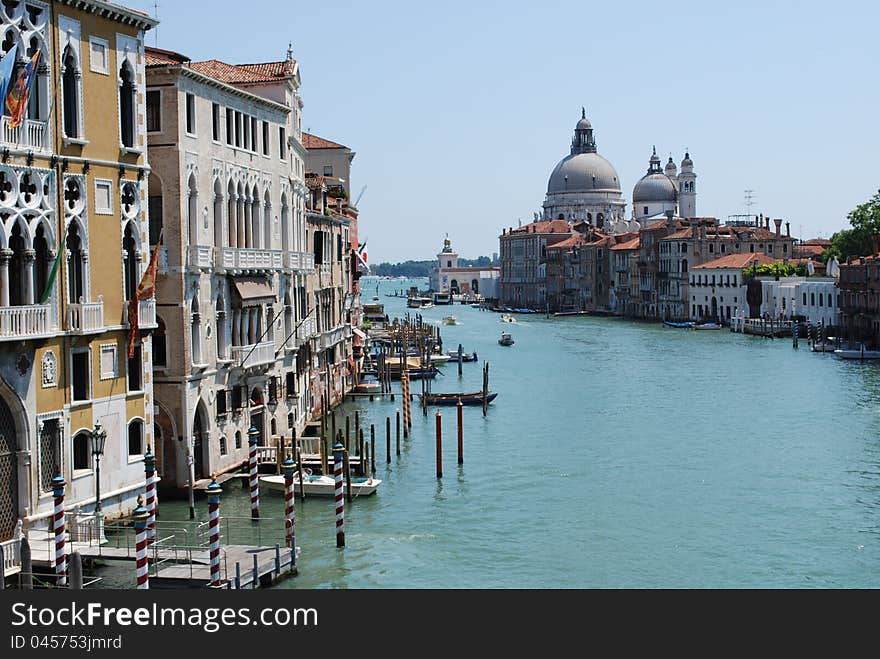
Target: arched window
[
  {"x": 223, "y": 450},
  {"x": 222, "y": 334},
  {"x": 127, "y": 105},
  {"x": 82, "y": 450},
  {"x": 218, "y": 214},
  {"x": 231, "y": 216},
  {"x": 36, "y": 102},
  {"x": 76, "y": 269},
  {"x": 70, "y": 93},
  {"x": 254, "y": 203},
  {"x": 267, "y": 221},
  {"x": 42, "y": 263},
  {"x": 288, "y": 319},
  {"x": 195, "y": 331},
  {"x": 475, "y": 286},
  {"x": 192, "y": 210},
  {"x": 130, "y": 261},
  {"x": 20, "y": 269},
  {"x": 244, "y": 229},
  {"x": 285, "y": 224},
  {"x": 237, "y": 439},
  {"x": 136, "y": 437},
  {"x": 160, "y": 345}
]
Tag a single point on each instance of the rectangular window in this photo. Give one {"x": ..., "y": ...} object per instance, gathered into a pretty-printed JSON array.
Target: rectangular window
[
  {"x": 246, "y": 132},
  {"x": 80, "y": 375},
  {"x": 273, "y": 390},
  {"x": 230, "y": 126},
  {"x": 820, "y": 299},
  {"x": 50, "y": 453},
  {"x": 99, "y": 50},
  {"x": 103, "y": 196},
  {"x": 254, "y": 134},
  {"x": 215, "y": 121},
  {"x": 190, "y": 114},
  {"x": 805, "y": 299},
  {"x": 237, "y": 401},
  {"x": 134, "y": 370},
  {"x": 290, "y": 384},
  {"x": 136, "y": 438},
  {"x": 108, "y": 361},
  {"x": 282, "y": 143},
  {"x": 328, "y": 170},
  {"x": 265, "y": 138},
  {"x": 154, "y": 118},
  {"x": 154, "y": 209},
  {"x": 238, "y": 129},
  {"x": 221, "y": 402}
]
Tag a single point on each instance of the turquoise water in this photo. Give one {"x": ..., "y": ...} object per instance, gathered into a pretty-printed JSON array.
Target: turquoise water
[{"x": 617, "y": 454}]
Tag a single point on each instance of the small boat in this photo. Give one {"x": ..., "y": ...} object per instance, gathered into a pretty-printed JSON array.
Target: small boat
[
  {"x": 465, "y": 356},
  {"x": 318, "y": 485},
  {"x": 685, "y": 325},
  {"x": 506, "y": 339},
  {"x": 707, "y": 326},
  {"x": 438, "y": 359},
  {"x": 368, "y": 385},
  {"x": 857, "y": 353},
  {"x": 472, "y": 398},
  {"x": 476, "y": 305},
  {"x": 507, "y": 318},
  {"x": 450, "y": 320},
  {"x": 818, "y": 346}
]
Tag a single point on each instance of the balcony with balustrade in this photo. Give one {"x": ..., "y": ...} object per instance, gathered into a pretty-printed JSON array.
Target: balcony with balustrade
[
  {"x": 30, "y": 134},
  {"x": 86, "y": 317},
  {"x": 254, "y": 355},
  {"x": 240, "y": 260},
  {"x": 32, "y": 321},
  {"x": 200, "y": 258},
  {"x": 146, "y": 314}
]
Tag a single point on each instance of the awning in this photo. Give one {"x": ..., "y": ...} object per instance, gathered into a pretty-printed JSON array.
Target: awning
[
  {"x": 252, "y": 291},
  {"x": 358, "y": 332}
]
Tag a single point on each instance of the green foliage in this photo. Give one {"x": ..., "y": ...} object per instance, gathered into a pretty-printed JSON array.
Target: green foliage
[
  {"x": 776, "y": 270},
  {"x": 857, "y": 241},
  {"x": 423, "y": 268}
]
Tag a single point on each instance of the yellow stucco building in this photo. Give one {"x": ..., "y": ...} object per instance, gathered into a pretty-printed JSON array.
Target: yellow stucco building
[{"x": 73, "y": 176}]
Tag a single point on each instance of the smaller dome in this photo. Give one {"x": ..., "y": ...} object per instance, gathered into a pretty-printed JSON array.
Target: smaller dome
[
  {"x": 687, "y": 162},
  {"x": 670, "y": 167},
  {"x": 584, "y": 123},
  {"x": 654, "y": 188}
]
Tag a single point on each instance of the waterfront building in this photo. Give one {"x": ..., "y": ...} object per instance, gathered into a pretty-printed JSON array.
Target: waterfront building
[
  {"x": 333, "y": 368},
  {"x": 523, "y": 277},
  {"x": 661, "y": 191},
  {"x": 447, "y": 276},
  {"x": 231, "y": 350},
  {"x": 624, "y": 300},
  {"x": 73, "y": 249},
  {"x": 859, "y": 300},
  {"x": 329, "y": 159},
  {"x": 700, "y": 240},
  {"x": 584, "y": 186},
  {"x": 718, "y": 288}
]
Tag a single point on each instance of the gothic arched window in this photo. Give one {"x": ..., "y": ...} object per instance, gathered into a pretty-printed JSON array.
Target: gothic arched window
[
  {"x": 127, "y": 105},
  {"x": 70, "y": 93}
]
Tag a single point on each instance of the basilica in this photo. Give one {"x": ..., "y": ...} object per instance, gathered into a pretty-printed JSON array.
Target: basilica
[{"x": 585, "y": 187}]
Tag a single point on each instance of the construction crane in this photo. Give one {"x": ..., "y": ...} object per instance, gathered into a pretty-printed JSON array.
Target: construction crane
[{"x": 360, "y": 194}]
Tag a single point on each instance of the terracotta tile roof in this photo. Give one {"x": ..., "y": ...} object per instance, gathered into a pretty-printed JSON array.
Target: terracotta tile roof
[
  {"x": 630, "y": 244},
  {"x": 739, "y": 261},
  {"x": 575, "y": 240},
  {"x": 161, "y": 57},
  {"x": 310, "y": 141},
  {"x": 804, "y": 250},
  {"x": 313, "y": 180},
  {"x": 244, "y": 73},
  {"x": 681, "y": 233},
  {"x": 656, "y": 226},
  {"x": 544, "y": 226},
  {"x": 822, "y": 242}
]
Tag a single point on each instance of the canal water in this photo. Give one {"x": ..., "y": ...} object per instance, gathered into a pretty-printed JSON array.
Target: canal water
[{"x": 617, "y": 454}]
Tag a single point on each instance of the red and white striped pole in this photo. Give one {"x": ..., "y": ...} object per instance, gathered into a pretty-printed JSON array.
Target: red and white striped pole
[
  {"x": 288, "y": 467},
  {"x": 150, "y": 474},
  {"x": 338, "y": 452},
  {"x": 213, "y": 492},
  {"x": 58, "y": 484},
  {"x": 141, "y": 518},
  {"x": 253, "y": 433}
]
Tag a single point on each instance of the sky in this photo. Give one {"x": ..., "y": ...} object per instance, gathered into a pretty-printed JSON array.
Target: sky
[{"x": 459, "y": 111}]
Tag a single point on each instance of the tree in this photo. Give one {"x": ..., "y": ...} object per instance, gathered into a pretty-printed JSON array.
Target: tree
[
  {"x": 865, "y": 218},
  {"x": 847, "y": 243}
]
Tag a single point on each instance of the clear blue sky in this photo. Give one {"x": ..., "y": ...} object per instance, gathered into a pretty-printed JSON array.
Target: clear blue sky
[{"x": 459, "y": 111}]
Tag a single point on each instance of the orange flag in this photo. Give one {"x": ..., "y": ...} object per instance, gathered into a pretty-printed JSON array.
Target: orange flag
[{"x": 145, "y": 290}]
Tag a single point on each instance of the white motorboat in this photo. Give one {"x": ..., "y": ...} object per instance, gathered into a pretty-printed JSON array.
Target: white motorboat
[
  {"x": 450, "y": 320},
  {"x": 507, "y": 318},
  {"x": 318, "y": 485},
  {"x": 857, "y": 353}
]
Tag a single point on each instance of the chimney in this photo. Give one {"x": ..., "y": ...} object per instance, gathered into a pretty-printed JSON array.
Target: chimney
[
  {"x": 702, "y": 232},
  {"x": 669, "y": 222},
  {"x": 767, "y": 223},
  {"x": 788, "y": 229},
  {"x": 778, "y": 223}
]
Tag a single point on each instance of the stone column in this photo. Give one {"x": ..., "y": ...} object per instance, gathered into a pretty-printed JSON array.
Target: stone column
[
  {"x": 5, "y": 257},
  {"x": 30, "y": 257}
]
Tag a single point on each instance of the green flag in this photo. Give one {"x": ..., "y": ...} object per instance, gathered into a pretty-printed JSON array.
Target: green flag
[{"x": 49, "y": 284}]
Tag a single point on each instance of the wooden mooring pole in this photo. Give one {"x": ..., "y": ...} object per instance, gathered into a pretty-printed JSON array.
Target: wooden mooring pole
[
  {"x": 372, "y": 449},
  {"x": 439, "y": 425},
  {"x": 397, "y": 429},
  {"x": 388, "y": 439},
  {"x": 460, "y": 407}
]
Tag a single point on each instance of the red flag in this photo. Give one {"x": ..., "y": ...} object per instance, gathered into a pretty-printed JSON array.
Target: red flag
[
  {"x": 145, "y": 290},
  {"x": 16, "y": 101}
]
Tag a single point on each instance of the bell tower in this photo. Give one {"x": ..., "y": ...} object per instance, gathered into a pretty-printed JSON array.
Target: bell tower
[{"x": 687, "y": 188}]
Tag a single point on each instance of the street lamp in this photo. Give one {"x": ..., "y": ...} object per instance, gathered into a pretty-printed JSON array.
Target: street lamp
[{"x": 99, "y": 437}]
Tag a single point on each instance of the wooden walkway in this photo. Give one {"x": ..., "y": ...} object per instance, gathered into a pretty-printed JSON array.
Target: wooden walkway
[{"x": 241, "y": 566}]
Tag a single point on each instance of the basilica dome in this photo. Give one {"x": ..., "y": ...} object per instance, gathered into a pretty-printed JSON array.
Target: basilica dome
[
  {"x": 583, "y": 172},
  {"x": 654, "y": 187}
]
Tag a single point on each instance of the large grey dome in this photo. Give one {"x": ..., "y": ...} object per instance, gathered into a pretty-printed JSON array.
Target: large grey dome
[
  {"x": 654, "y": 187},
  {"x": 583, "y": 172}
]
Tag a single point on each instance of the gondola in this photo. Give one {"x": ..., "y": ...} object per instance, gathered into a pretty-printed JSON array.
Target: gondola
[{"x": 473, "y": 398}]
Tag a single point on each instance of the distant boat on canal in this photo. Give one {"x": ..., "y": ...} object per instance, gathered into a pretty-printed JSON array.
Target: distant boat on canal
[
  {"x": 473, "y": 398},
  {"x": 506, "y": 339}
]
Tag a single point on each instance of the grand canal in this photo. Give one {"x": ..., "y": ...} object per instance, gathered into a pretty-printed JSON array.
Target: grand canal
[{"x": 617, "y": 454}]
